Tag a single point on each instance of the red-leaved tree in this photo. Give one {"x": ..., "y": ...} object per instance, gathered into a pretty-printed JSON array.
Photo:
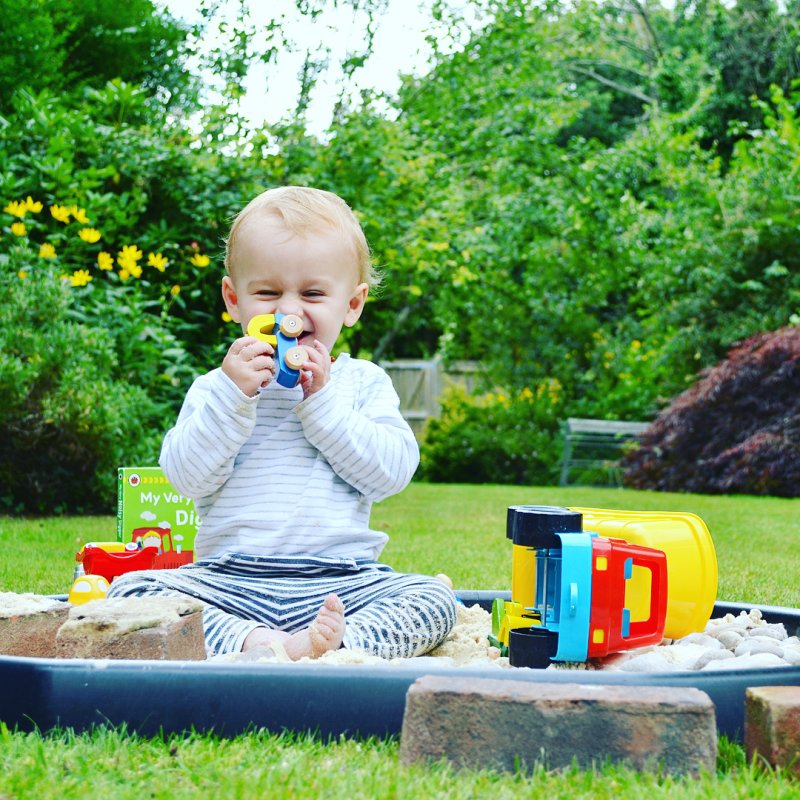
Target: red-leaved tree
[{"x": 737, "y": 430}]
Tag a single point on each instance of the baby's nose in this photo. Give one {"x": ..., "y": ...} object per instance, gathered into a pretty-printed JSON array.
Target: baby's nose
[{"x": 289, "y": 306}]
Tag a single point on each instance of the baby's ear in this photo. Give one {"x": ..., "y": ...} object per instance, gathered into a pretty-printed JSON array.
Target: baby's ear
[
  {"x": 231, "y": 298},
  {"x": 356, "y": 304}
]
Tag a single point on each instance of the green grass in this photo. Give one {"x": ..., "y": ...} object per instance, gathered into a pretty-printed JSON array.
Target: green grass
[{"x": 459, "y": 530}]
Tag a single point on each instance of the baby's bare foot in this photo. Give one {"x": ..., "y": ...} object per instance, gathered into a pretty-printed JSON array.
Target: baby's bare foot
[{"x": 325, "y": 632}]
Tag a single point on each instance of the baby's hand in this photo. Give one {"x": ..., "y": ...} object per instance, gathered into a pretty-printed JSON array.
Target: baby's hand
[
  {"x": 316, "y": 372},
  {"x": 249, "y": 363}
]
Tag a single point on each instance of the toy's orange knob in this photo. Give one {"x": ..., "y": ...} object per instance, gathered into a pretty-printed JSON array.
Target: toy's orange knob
[
  {"x": 291, "y": 325},
  {"x": 295, "y": 357}
]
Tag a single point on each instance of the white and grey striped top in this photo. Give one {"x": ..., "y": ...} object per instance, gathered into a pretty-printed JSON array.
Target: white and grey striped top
[{"x": 278, "y": 475}]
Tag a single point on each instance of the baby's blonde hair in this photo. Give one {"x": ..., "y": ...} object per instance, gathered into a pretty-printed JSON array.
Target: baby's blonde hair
[{"x": 304, "y": 210}]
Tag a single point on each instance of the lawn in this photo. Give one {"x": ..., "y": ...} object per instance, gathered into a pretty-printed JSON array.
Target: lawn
[{"x": 459, "y": 530}]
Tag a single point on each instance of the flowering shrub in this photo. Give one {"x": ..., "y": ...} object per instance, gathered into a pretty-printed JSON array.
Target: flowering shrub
[
  {"x": 736, "y": 430},
  {"x": 68, "y": 416},
  {"x": 130, "y": 291},
  {"x": 92, "y": 367},
  {"x": 81, "y": 248},
  {"x": 495, "y": 438}
]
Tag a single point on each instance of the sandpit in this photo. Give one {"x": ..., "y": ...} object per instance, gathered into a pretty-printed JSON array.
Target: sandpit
[{"x": 746, "y": 641}]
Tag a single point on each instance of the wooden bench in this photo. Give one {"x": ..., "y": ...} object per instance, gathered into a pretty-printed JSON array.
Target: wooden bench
[{"x": 593, "y": 449}]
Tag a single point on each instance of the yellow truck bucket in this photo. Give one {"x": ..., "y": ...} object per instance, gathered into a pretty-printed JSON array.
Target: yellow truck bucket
[{"x": 691, "y": 562}]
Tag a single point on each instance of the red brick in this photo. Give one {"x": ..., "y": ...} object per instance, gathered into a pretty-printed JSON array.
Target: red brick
[
  {"x": 31, "y": 634},
  {"x": 772, "y": 725},
  {"x": 169, "y": 629},
  {"x": 510, "y": 724}
]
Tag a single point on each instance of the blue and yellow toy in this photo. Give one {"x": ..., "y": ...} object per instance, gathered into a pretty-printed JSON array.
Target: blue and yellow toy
[
  {"x": 639, "y": 576},
  {"x": 281, "y": 331}
]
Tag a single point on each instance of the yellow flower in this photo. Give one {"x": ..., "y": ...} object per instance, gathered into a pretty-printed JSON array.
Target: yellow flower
[
  {"x": 33, "y": 205},
  {"x": 175, "y": 290},
  {"x": 47, "y": 250},
  {"x": 22, "y": 274},
  {"x": 19, "y": 229},
  {"x": 105, "y": 260},
  {"x": 90, "y": 235},
  {"x": 79, "y": 214},
  {"x": 124, "y": 274},
  {"x": 80, "y": 277},
  {"x": 157, "y": 260},
  {"x": 129, "y": 253},
  {"x": 61, "y": 213},
  {"x": 16, "y": 209},
  {"x": 226, "y": 317},
  {"x": 127, "y": 258},
  {"x": 200, "y": 260}
]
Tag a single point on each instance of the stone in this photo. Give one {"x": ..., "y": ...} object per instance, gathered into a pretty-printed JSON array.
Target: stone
[
  {"x": 713, "y": 655},
  {"x": 752, "y": 661},
  {"x": 758, "y": 644},
  {"x": 648, "y": 662},
  {"x": 772, "y": 725},
  {"x": 161, "y": 628},
  {"x": 29, "y": 623},
  {"x": 730, "y": 639},
  {"x": 703, "y": 639},
  {"x": 509, "y": 725},
  {"x": 791, "y": 655}
]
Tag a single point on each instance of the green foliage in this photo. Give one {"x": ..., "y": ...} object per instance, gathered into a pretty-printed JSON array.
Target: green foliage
[
  {"x": 67, "y": 419},
  {"x": 560, "y": 197},
  {"x": 494, "y": 438},
  {"x": 149, "y": 186},
  {"x": 66, "y": 47}
]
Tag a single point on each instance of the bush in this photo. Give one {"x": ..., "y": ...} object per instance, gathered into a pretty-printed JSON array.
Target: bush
[
  {"x": 735, "y": 431},
  {"x": 494, "y": 438},
  {"x": 67, "y": 420}
]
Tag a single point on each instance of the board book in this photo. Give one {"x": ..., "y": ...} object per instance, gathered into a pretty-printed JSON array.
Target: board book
[{"x": 150, "y": 508}]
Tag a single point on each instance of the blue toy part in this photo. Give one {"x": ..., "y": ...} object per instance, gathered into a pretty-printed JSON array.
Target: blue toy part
[
  {"x": 564, "y": 593},
  {"x": 287, "y": 376}
]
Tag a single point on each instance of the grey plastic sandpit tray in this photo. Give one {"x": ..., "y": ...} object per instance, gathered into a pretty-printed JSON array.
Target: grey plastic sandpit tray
[{"x": 229, "y": 698}]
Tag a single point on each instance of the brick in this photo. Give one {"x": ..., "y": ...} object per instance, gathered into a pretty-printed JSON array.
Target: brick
[
  {"x": 163, "y": 628},
  {"x": 510, "y": 724},
  {"x": 772, "y": 725},
  {"x": 28, "y": 624}
]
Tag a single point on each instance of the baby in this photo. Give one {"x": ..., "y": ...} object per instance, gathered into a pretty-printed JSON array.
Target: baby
[{"x": 284, "y": 478}]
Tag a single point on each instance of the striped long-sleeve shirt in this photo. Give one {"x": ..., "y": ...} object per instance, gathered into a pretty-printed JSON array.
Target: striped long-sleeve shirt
[{"x": 278, "y": 475}]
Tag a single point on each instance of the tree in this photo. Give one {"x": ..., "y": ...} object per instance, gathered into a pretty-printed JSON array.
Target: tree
[
  {"x": 64, "y": 47},
  {"x": 736, "y": 430}
]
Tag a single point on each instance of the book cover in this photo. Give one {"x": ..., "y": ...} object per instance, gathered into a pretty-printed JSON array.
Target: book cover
[{"x": 151, "y": 511}]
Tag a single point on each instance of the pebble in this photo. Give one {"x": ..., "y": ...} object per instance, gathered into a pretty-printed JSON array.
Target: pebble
[
  {"x": 713, "y": 655},
  {"x": 702, "y": 639},
  {"x": 754, "y": 661},
  {"x": 730, "y": 638},
  {"x": 653, "y": 661},
  {"x": 758, "y": 644}
]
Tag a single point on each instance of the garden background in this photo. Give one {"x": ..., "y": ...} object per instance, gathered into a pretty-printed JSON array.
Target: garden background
[{"x": 594, "y": 200}]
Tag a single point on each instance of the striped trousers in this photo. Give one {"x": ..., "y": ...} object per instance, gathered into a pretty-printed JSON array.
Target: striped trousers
[{"x": 388, "y": 614}]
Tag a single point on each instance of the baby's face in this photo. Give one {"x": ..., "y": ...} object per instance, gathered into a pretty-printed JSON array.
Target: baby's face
[{"x": 277, "y": 271}]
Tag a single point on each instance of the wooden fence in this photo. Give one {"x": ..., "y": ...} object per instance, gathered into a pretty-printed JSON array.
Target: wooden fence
[{"x": 420, "y": 385}]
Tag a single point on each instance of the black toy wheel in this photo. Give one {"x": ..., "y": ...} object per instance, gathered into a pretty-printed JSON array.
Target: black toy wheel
[
  {"x": 532, "y": 647},
  {"x": 538, "y": 526}
]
